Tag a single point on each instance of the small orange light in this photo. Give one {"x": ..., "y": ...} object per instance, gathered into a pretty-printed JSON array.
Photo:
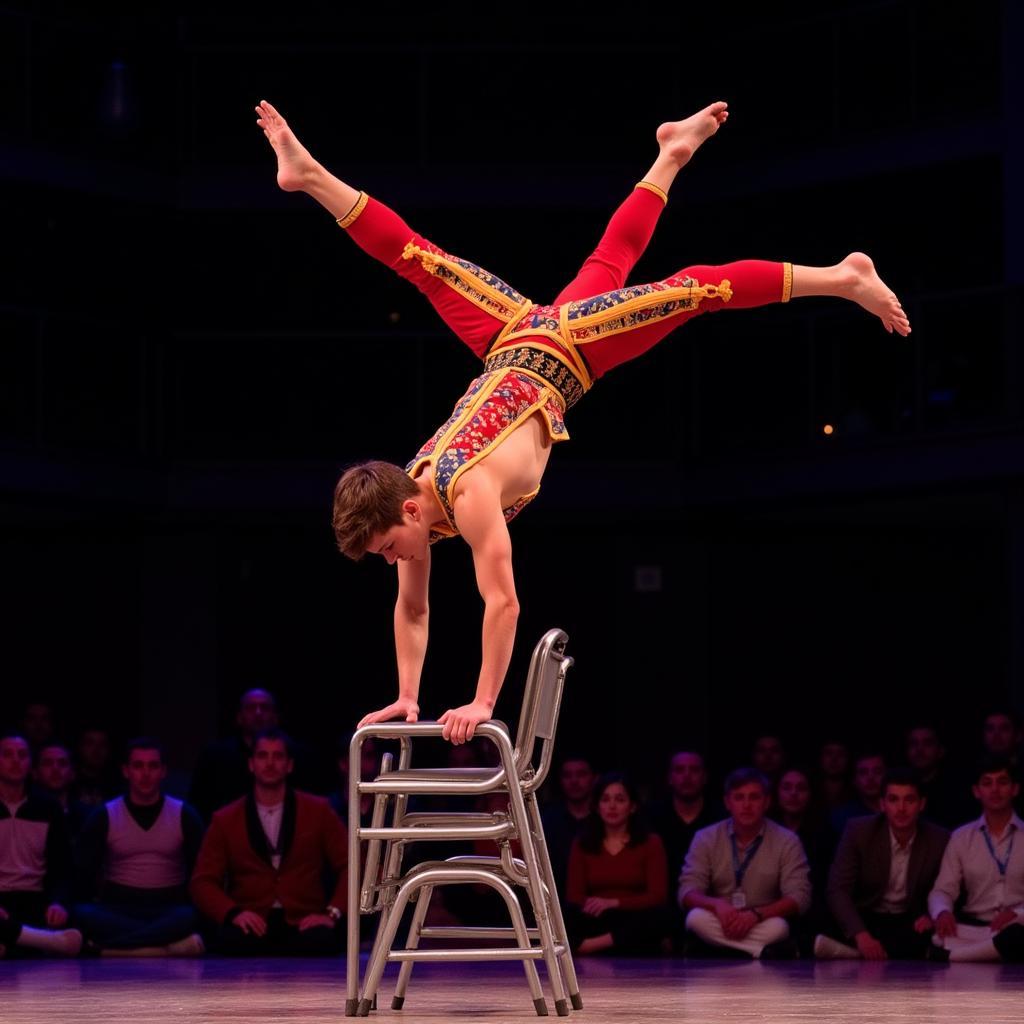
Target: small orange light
[{"x": 827, "y": 429}]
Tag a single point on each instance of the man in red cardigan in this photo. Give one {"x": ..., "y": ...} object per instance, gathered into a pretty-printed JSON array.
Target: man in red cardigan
[{"x": 259, "y": 873}]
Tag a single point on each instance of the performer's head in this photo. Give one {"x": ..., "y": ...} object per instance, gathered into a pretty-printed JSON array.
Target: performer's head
[{"x": 377, "y": 509}]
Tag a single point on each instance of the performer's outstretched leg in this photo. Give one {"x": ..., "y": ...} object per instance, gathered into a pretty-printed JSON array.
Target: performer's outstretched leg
[
  {"x": 382, "y": 233},
  {"x": 632, "y": 224}
]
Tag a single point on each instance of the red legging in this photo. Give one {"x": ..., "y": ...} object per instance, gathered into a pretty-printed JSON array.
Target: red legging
[{"x": 383, "y": 234}]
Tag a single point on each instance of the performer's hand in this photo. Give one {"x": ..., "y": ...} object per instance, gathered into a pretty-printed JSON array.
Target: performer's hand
[
  {"x": 923, "y": 924},
  {"x": 945, "y": 925},
  {"x": 597, "y": 905},
  {"x": 56, "y": 916},
  {"x": 870, "y": 948},
  {"x": 251, "y": 923},
  {"x": 404, "y": 707},
  {"x": 460, "y": 723},
  {"x": 316, "y": 921},
  {"x": 1002, "y": 919}
]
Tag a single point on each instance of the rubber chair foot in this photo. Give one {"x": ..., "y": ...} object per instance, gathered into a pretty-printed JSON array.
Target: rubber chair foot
[
  {"x": 541, "y": 1007},
  {"x": 562, "y": 1007},
  {"x": 397, "y": 1002},
  {"x": 577, "y": 1001},
  {"x": 364, "y": 1008}
]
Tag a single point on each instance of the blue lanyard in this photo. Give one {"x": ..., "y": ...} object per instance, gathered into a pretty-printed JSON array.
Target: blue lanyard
[
  {"x": 1001, "y": 864},
  {"x": 739, "y": 870}
]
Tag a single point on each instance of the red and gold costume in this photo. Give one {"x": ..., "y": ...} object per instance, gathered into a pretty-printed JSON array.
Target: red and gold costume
[{"x": 542, "y": 359}]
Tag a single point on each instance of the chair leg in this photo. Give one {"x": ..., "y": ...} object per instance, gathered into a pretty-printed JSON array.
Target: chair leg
[
  {"x": 539, "y": 900},
  {"x": 412, "y": 942},
  {"x": 557, "y": 920}
]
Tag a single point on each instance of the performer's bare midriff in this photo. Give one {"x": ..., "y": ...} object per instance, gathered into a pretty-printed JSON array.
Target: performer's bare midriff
[{"x": 488, "y": 460}]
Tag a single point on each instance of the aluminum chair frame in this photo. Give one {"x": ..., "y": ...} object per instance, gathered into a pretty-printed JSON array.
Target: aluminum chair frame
[{"x": 382, "y": 889}]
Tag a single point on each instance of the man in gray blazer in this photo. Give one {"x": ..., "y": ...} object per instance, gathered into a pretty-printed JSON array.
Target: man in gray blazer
[{"x": 883, "y": 871}]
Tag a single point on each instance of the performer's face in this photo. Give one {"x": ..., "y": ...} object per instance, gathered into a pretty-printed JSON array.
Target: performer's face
[{"x": 404, "y": 541}]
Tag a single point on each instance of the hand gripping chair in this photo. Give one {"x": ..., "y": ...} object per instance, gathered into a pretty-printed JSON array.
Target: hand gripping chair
[{"x": 387, "y": 886}]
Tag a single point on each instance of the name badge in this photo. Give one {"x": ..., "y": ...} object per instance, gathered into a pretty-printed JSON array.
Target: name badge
[{"x": 739, "y": 899}]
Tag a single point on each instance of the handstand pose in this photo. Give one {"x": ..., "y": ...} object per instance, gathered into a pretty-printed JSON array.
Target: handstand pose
[{"x": 486, "y": 462}]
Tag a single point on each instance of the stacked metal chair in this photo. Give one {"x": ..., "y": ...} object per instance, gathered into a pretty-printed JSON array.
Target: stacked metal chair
[{"x": 386, "y": 885}]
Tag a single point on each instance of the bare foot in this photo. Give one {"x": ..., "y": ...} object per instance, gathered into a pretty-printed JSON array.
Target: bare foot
[
  {"x": 681, "y": 139},
  {"x": 294, "y": 164},
  {"x": 867, "y": 289}
]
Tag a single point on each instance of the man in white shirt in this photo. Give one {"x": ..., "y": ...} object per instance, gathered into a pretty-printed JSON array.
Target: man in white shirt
[{"x": 984, "y": 861}]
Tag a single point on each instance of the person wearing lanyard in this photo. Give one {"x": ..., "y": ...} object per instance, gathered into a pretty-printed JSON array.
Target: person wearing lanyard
[
  {"x": 984, "y": 862},
  {"x": 744, "y": 876}
]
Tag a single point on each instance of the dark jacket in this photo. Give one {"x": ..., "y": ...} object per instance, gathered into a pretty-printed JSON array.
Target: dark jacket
[{"x": 860, "y": 872}]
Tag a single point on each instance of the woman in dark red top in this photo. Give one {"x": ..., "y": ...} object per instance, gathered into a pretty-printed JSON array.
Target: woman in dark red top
[{"x": 616, "y": 889}]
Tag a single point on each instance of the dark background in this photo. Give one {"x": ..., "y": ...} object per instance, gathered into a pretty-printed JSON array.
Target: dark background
[{"x": 189, "y": 356}]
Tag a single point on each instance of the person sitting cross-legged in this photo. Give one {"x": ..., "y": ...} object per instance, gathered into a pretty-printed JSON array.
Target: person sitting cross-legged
[
  {"x": 883, "y": 871},
  {"x": 137, "y": 853},
  {"x": 744, "y": 876},
  {"x": 260, "y": 871}
]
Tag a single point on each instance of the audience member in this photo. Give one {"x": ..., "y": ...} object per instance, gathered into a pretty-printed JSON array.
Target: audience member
[
  {"x": 54, "y": 777},
  {"x": 260, "y": 872},
  {"x": 616, "y": 886},
  {"x": 369, "y": 767},
  {"x": 926, "y": 754},
  {"x": 1001, "y": 734},
  {"x": 37, "y": 725},
  {"x": 868, "y": 775},
  {"x": 978, "y": 898},
  {"x": 35, "y": 862},
  {"x": 96, "y": 779},
  {"x": 768, "y": 756},
  {"x": 880, "y": 879},
  {"x": 222, "y": 774},
  {"x": 563, "y": 818},
  {"x": 139, "y": 850},
  {"x": 834, "y": 787},
  {"x": 677, "y": 819},
  {"x": 744, "y": 876}
]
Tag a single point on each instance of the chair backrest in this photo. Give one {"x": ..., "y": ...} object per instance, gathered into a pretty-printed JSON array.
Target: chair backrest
[{"x": 542, "y": 699}]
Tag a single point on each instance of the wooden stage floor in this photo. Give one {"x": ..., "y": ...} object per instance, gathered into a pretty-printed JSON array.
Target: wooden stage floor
[{"x": 312, "y": 991}]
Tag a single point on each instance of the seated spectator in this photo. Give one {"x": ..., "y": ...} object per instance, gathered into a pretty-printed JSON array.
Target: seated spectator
[
  {"x": 563, "y": 817},
  {"x": 768, "y": 756},
  {"x": 54, "y": 777},
  {"x": 883, "y": 871},
  {"x": 140, "y": 849},
  {"x": 616, "y": 882},
  {"x": 1001, "y": 734},
  {"x": 834, "y": 787},
  {"x": 979, "y": 868},
  {"x": 677, "y": 820},
  {"x": 370, "y": 766},
  {"x": 96, "y": 778},
  {"x": 947, "y": 805},
  {"x": 222, "y": 773},
  {"x": 260, "y": 871},
  {"x": 35, "y": 862},
  {"x": 793, "y": 808},
  {"x": 744, "y": 876},
  {"x": 37, "y": 725},
  {"x": 868, "y": 774}
]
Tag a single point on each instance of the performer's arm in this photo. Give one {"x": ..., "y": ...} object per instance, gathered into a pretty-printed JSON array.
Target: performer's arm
[
  {"x": 412, "y": 614},
  {"x": 480, "y": 520}
]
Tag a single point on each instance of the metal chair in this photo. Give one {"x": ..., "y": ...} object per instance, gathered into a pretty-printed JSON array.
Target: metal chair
[{"x": 386, "y": 889}]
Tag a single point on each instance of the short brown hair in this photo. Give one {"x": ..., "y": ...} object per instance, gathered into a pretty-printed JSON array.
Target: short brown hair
[{"x": 367, "y": 500}]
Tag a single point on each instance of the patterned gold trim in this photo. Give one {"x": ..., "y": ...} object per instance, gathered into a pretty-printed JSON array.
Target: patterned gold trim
[
  {"x": 787, "y": 281},
  {"x": 662, "y": 195},
  {"x": 542, "y": 365},
  {"x": 353, "y": 215},
  {"x": 470, "y": 281}
]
